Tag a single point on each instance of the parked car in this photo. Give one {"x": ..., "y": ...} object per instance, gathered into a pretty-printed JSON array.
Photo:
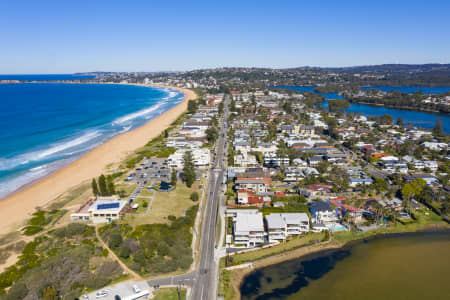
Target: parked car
[
  {"x": 136, "y": 289},
  {"x": 101, "y": 294}
]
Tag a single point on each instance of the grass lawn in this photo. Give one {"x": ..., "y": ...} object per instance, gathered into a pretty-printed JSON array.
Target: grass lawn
[
  {"x": 146, "y": 192},
  {"x": 128, "y": 188},
  {"x": 423, "y": 221},
  {"x": 280, "y": 248},
  {"x": 165, "y": 204},
  {"x": 141, "y": 209},
  {"x": 169, "y": 294}
]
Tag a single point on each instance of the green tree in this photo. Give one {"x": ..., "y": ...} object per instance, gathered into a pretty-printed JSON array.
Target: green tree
[
  {"x": 111, "y": 189},
  {"x": 386, "y": 120},
  {"x": 49, "y": 293},
  {"x": 322, "y": 167},
  {"x": 173, "y": 178},
  {"x": 194, "y": 196},
  {"x": 233, "y": 104},
  {"x": 413, "y": 189},
  {"x": 166, "y": 133},
  {"x": 115, "y": 239},
  {"x": 211, "y": 134},
  {"x": 94, "y": 187},
  {"x": 192, "y": 106},
  {"x": 188, "y": 169},
  {"x": 221, "y": 108},
  {"x": 400, "y": 121},
  {"x": 102, "y": 185},
  {"x": 437, "y": 130},
  {"x": 380, "y": 185},
  {"x": 426, "y": 195},
  {"x": 124, "y": 251}
]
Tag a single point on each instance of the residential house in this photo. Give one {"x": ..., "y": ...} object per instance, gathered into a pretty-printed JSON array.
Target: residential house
[{"x": 323, "y": 213}]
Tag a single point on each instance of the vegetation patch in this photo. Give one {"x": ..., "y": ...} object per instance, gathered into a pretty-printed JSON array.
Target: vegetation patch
[
  {"x": 152, "y": 249},
  {"x": 58, "y": 265},
  {"x": 41, "y": 219},
  {"x": 170, "y": 294}
]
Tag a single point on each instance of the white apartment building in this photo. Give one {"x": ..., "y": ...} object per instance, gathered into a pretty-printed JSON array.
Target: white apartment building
[
  {"x": 282, "y": 225},
  {"x": 245, "y": 160},
  {"x": 248, "y": 229},
  {"x": 272, "y": 160},
  {"x": 201, "y": 158}
]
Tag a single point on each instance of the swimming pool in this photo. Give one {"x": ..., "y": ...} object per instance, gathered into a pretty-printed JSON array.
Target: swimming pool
[{"x": 336, "y": 227}]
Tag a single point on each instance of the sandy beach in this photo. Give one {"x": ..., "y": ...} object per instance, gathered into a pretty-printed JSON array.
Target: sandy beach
[{"x": 16, "y": 208}]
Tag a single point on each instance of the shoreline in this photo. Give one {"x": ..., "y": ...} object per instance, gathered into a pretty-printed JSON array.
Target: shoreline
[
  {"x": 18, "y": 206},
  {"x": 416, "y": 109},
  {"x": 304, "y": 252}
]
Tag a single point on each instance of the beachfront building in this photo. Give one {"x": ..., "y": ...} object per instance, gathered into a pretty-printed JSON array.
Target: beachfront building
[
  {"x": 200, "y": 157},
  {"x": 100, "y": 210},
  {"x": 282, "y": 225},
  {"x": 248, "y": 229}
]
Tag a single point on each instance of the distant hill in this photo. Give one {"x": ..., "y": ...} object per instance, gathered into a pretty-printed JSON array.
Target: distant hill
[{"x": 395, "y": 69}]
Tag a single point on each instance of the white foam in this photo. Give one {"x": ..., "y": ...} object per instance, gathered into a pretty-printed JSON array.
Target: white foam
[
  {"x": 12, "y": 184},
  {"x": 11, "y": 163},
  {"x": 67, "y": 145},
  {"x": 137, "y": 114},
  {"x": 125, "y": 129}
]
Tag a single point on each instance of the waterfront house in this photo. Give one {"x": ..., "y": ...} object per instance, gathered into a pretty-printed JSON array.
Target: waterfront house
[
  {"x": 282, "y": 225},
  {"x": 322, "y": 213},
  {"x": 248, "y": 229}
]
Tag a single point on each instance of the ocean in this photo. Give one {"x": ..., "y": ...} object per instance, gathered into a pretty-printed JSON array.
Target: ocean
[
  {"x": 43, "y": 77},
  {"x": 44, "y": 126}
]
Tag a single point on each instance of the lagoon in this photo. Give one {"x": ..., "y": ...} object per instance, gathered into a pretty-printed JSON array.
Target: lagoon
[
  {"x": 407, "y": 266},
  {"x": 416, "y": 118}
]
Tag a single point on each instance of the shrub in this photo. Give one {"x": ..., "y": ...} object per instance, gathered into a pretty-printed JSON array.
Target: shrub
[
  {"x": 124, "y": 251},
  {"x": 115, "y": 239},
  {"x": 76, "y": 229},
  {"x": 18, "y": 291},
  {"x": 32, "y": 230},
  {"x": 38, "y": 219},
  {"x": 194, "y": 196}
]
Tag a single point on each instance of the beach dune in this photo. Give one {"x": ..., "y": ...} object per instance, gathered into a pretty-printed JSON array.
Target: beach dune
[{"x": 18, "y": 207}]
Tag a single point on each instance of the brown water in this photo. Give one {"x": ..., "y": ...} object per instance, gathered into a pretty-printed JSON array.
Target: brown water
[{"x": 414, "y": 266}]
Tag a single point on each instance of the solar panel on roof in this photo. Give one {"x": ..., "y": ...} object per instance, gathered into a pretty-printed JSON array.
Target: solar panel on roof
[{"x": 108, "y": 205}]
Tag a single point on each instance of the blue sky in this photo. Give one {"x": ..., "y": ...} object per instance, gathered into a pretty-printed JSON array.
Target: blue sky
[{"x": 75, "y": 36}]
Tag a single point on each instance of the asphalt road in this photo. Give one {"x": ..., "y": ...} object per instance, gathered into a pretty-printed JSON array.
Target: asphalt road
[
  {"x": 203, "y": 280},
  {"x": 204, "y": 287}
]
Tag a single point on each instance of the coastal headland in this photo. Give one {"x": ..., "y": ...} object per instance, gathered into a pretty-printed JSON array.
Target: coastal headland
[{"x": 17, "y": 207}]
